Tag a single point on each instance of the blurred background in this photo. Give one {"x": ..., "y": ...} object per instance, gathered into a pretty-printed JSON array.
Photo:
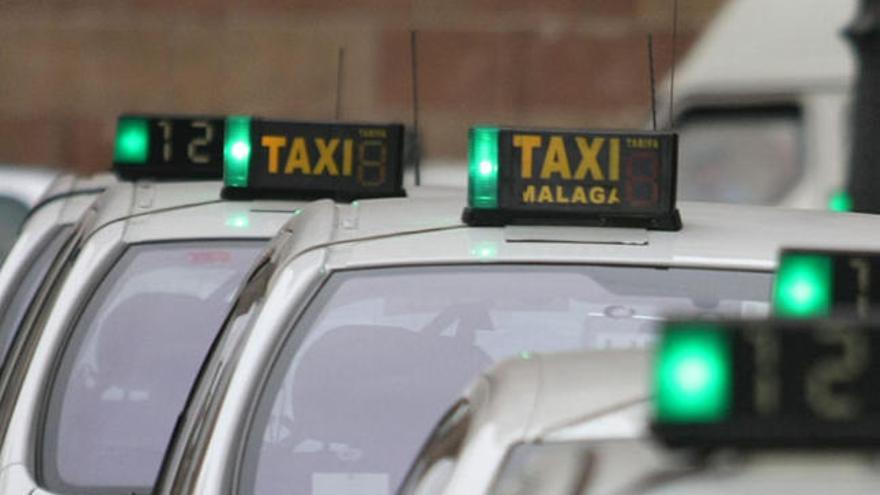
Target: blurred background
[{"x": 69, "y": 67}]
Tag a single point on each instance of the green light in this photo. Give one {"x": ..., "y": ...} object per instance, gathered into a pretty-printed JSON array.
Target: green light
[
  {"x": 483, "y": 167},
  {"x": 238, "y": 221},
  {"x": 237, "y": 151},
  {"x": 485, "y": 250},
  {"x": 803, "y": 286},
  {"x": 840, "y": 201},
  {"x": 692, "y": 375},
  {"x": 132, "y": 140}
]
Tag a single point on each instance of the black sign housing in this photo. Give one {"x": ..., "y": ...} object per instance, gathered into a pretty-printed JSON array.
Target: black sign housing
[
  {"x": 565, "y": 177},
  {"x": 795, "y": 384},
  {"x": 179, "y": 147},
  {"x": 343, "y": 161}
]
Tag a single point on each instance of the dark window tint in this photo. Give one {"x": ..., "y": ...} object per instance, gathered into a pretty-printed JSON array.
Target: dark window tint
[
  {"x": 12, "y": 314},
  {"x": 380, "y": 354},
  {"x": 132, "y": 360},
  {"x": 12, "y": 215},
  {"x": 740, "y": 155}
]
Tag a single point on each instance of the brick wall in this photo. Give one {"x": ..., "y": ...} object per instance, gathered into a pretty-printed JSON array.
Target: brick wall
[{"x": 68, "y": 67}]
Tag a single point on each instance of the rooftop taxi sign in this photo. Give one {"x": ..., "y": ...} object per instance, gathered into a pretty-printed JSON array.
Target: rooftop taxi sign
[
  {"x": 582, "y": 177},
  {"x": 168, "y": 147},
  {"x": 308, "y": 159}
]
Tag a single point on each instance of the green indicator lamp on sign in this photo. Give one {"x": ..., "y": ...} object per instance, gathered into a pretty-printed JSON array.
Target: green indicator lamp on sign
[
  {"x": 840, "y": 201},
  {"x": 237, "y": 151},
  {"x": 692, "y": 374},
  {"x": 803, "y": 286},
  {"x": 132, "y": 140},
  {"x": 483, "y": 168}
]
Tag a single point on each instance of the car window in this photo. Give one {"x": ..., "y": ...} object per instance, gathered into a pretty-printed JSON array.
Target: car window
[
  {"x": 12, "y": 215},
  {"x": 740, "y": 155},
  {"x": 12, "y": 314},
  {"x": 132, "y": 358},
  {"x": 380, "y": 354}
]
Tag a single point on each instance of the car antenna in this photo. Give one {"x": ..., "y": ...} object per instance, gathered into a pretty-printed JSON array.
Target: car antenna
[
  {"x": 417, "y": 153},
  {"x": 672, "y": 70},
  {"x": 652, "y": 83},
  {"x": 340, "y": 57}
]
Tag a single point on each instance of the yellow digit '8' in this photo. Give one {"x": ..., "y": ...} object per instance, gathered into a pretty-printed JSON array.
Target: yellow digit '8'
[{"x": 379, "y": 164}]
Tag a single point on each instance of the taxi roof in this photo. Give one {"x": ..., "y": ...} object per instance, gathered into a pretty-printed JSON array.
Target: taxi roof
[
  {"x": 185, "y": 210},
  {"x": 25, "y": 183},
  {"x": 72, "y": 183},
  {"x": 427, "y": 229}
]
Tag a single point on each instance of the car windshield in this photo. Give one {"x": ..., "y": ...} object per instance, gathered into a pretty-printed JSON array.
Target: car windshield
[
  {"x": 132, "y": 358},
  {"x": 380, "y": 354},
  {"x": 12, "y": 314}
]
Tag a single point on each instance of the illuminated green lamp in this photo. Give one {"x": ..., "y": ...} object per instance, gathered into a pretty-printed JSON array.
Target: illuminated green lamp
[
  {"x": 238, "y": 220},
  {"x": 132, "y": 140},
  {"x": 840, "y": 201},
  {"x": 483, "y": 168},
  {"x": 692, "y": 374},
  {"x": 803, "y": 286},
  {"x": 485, "y": 250},
  {"x": 237, "y": 151}
]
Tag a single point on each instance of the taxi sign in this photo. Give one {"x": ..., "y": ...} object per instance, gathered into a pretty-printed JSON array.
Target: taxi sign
[
  {"x": 815, "y": 283},
  {"x": 171, "y": 147},
  {"x": 345, "y": 161},
  {"x": 777, "y": 383},
  {"x": 534, "y": 176}
]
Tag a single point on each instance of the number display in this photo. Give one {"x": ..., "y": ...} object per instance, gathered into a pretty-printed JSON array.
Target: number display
[
  {"x": 642, "y": 185},
  {"x": 196, "y": 150},
  {"x": 845, "y": 280},
  {"x": 172, "y": 147},
  {"x": 793, "y": 382},
  {"x": 832, "y": 372}
]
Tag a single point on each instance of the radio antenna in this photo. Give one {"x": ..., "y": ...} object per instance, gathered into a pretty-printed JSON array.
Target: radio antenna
[
  {"x": 340, "y": 56},
  {"x": 653, "y": 85},
  {"x": 672, "y": 70},
  {"x": 414, "y": 73}
]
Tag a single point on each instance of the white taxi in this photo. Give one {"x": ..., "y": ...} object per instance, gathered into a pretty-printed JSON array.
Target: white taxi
[
  {"x": 366, "y": 320},
  {"x": 94, "y": 385},
  {"x": 45, "y": 232},
  {"x": 716, "y": 417}
]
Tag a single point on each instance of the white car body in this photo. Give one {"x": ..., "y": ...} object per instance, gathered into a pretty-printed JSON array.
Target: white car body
[
  {"x": 21, "y": 187},
  {"x": 589, "y": 431},
  {"x": 47, "y": 228},
  {"x": 327, "y": 238},
  {"x": 128, "y": 214},
  {"x": 26, "y": 183},
  {"x": 527, "y": 400}
]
